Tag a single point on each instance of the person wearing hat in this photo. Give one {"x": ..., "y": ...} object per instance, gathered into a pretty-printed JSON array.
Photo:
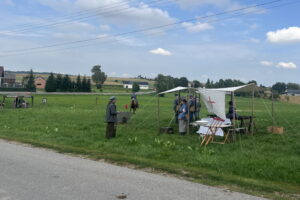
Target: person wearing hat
[
  {"x": 182, "y": 117},
  {"x": 176, "y": 104},
  {"x": 111, "y": 118}
]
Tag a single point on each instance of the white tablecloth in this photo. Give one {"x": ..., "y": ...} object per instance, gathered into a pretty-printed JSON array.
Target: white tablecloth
[{"x": 203, "y": 130}]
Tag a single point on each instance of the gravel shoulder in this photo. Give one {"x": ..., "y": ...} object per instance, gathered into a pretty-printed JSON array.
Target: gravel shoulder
[{"x": 34, "y": 173}]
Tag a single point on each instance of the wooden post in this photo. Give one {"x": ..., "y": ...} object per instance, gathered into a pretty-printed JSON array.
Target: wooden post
[
  {"x": 188, "y": 119},
  {"x": 199, "y": 104},
  {"x": 252, "y": 114},
  {"x": 233, "y": 112},
  {"x": 158, "y": 117},
  {"x": 32, "y": 101},
  {"x": 273, "y": 120}
]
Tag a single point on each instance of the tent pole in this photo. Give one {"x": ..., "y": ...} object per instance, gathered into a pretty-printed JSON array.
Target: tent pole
[
  {"x": 273, "y": 121},
  {"x": 188, "y": 118},
  {"x": 233, "y": 112},
  {"x": 252, "y": 114},
  {"x": 158, "y": 117}
]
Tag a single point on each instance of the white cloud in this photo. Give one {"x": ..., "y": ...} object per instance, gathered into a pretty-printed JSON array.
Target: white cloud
[
  {"x": 9, "y": 2},
  {"x": 142, "y": 15},
  {"x": 161, "y": 51},
  {"x": 196, "y": 27},
  {"x": 286, "y": 65},
  {"x": 105, "y": 27},
  {"x": 192, "y": 3},
  {"x": 75, "y": 26},
  {"x": 125, "y": 75},
  {"x": 267, "y": 63},
  {"x": 113, "y": 74},
  {"x": 286, "y": 35}
]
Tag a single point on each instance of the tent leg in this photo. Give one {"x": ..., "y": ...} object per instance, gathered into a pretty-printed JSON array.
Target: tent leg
[
  {"x": 252, "y": 114},
  {"x": 158, "y": 117},
  {"x": 233, "y": 112}
]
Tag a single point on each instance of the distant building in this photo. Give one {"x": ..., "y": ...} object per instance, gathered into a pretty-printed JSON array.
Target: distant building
[
  {"x": 7, "y": 79},
  {"x": 129, "y": 84},
  {"x": 292, "y": 92},
  {"x": 1, "y": 74},
  {"x": 40, "y": 82}
]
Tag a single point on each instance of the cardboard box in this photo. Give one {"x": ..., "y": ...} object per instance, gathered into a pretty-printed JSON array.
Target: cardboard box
[{"x": 276, "y": 129}]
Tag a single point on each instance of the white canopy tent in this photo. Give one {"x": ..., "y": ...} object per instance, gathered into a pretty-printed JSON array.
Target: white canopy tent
[
  {"x": 177, "y": 89},
  {"x": 214, "y": 99}
]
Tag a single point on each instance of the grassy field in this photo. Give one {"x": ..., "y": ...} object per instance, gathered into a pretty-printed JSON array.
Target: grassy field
[{"x": 264, "y": 164}]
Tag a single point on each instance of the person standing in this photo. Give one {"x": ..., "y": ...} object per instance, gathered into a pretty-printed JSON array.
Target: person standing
[
  {"x": 182, "y": 117},
  {"x": 192, "y": 108},
  {"x": 198, "y": 106},
  {"x": 111, "y": 118},
  {"x": 176, "y": 105}
]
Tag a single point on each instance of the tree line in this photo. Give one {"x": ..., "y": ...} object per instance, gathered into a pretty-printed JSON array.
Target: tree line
[
  {"x": 60, "y": 83},
  {"x": 163, "y": 83},
  {"x": 281, "y": 87}
]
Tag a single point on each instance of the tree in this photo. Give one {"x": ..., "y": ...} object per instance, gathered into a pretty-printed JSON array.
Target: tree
[
  {"x": 66, "y": 83},
  {"x": 293, "y": 86},
  {"x": 89, "y": 85},
  {"x": 78, "y": 84},
  {"x": 184, "y": 82},
  {"x": 135, "y": 87},
  {"x": 50, "y": 83},
  {"x": 207, "y": 84},
  {"x": 279, "y": 87},
  {"x": 84, "y": 85},
  {"x": 59, "y": 82},
  {"x": 29, "y": 84},
  {"x": 98, "y": 76},
  {"x": 253, "y": 81},
  {"x": 196, "y": 84}
]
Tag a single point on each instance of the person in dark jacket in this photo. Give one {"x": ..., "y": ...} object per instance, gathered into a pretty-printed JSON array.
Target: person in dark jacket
[
  {"x": 111, "y": 118},
  {"x": 232, "y": 111}
]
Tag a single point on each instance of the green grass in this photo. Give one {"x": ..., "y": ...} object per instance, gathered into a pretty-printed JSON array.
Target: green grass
[{"x": 263, "y": 164}]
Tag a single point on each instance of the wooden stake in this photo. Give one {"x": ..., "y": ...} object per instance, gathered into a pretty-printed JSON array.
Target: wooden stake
[
  {"x": 158, "y": 117},
  {"x": 252, "y": 118}
]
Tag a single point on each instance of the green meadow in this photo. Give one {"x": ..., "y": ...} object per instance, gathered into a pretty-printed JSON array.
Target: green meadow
[{"x": 264, "y": 164}]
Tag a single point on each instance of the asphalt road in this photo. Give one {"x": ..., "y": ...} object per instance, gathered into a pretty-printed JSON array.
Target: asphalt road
[{"x": 28, "y": 173}]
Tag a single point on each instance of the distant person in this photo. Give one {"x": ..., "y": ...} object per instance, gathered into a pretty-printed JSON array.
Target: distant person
[
  {"x": 197, "y": 111},
  {"x": 182, "y": 117},
  {"x": 232, "y": 111},
  {"x": 111, "y": 118},
  {"x": 176, "y": 106},
  {"x": 192, "y": 108}
]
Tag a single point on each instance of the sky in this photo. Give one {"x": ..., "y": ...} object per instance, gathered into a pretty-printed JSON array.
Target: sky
[{"x": 198, "y": 39}]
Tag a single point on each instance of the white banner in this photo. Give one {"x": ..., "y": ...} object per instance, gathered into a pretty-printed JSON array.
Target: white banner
[{"x": 214, "y": 101}]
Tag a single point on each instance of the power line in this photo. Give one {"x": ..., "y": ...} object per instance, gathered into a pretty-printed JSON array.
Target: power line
[
  {"x": 84, "y": 18},
  {"x": 144, "y": 30},
  {"x": 82, "y": 12},
  {"x": 153, "y": 34}
]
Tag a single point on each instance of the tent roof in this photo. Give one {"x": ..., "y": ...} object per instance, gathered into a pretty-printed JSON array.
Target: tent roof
[
  {"x": 243, "y": 88},
  {"x": 174, "y": 90}
]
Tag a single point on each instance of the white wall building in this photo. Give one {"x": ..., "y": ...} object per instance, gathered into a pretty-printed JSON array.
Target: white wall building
[{"x": 129, "y": 84}]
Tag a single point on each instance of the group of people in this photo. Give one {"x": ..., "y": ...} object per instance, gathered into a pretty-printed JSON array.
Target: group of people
[{"x": 186, "y": 111}]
